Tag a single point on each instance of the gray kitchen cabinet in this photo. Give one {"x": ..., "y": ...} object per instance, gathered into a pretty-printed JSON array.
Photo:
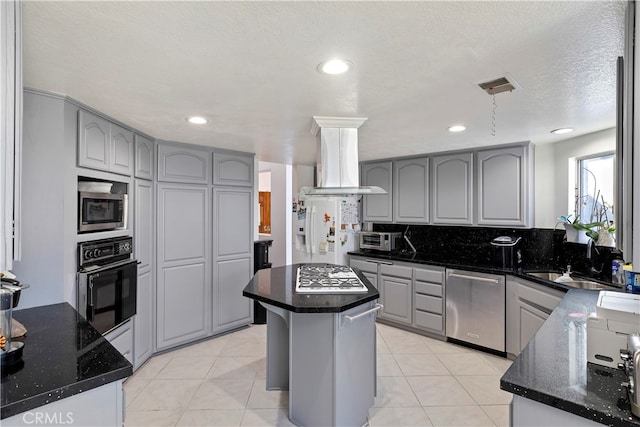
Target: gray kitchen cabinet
[
  {"x": 233, "y": 169},
  {"x": 528, "y": 305},
  {"x": 429, "y": 299},
  {"x": 369, "y": 269},
  {"x": 122, "y": 339},
  {"x": 397, "y": 292},
  {"x": 232, "y": 255},
  {"x": 377, "y": 207},
  {"x": 144, "y": 160},
  {"x": 144, "y": 237},
  {"x": 93, "y": 141},
  {"x": 504, "y": 186},
  {"x": 183, "y": 264},
  {"x": 452, "y": 189},
  {"x": 104, "y": 145},
  {"x": 411, "y": 190},
  {"x": 182, "y": 163}
]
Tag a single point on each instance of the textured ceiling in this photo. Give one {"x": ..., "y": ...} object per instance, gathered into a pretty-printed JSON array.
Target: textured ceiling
[{"x": 250, "y": 68}]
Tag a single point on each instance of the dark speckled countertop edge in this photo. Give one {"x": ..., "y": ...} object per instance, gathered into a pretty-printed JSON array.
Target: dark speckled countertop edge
[
  {"x": 40, "y": 352},
  {"x": 477, "y": 267}
]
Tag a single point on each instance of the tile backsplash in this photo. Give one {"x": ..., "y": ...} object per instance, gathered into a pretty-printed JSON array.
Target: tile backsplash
[{"x": 542, "y": 248}]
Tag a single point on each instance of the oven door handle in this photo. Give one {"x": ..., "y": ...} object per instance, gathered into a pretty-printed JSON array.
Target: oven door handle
[
  {"x": 93, "y": 270},
  {"x": 91, "y": 310}
]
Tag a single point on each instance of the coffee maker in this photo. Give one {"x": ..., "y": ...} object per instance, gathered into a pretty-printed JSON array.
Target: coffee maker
[
  {"x": 506, "y": 252},
  {"x": 10, "y": 351}
]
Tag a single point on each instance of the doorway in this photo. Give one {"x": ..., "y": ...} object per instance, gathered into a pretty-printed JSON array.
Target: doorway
[{"x": 264, "y": 200}]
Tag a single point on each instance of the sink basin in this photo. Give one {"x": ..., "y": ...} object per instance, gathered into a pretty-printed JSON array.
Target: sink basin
[
  {"x": 576, "y": 283},
  {"x": 547, "y": 275}
]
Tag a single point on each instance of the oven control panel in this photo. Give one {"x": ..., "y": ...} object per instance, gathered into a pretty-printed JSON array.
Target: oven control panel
[{"x": 106, "y": 251}]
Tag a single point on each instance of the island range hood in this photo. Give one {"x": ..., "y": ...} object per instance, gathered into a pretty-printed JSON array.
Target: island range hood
[{"x": 337, "y": 168}]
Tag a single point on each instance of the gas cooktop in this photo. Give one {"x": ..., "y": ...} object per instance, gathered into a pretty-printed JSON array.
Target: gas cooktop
[{"x": 328, "y": 279}]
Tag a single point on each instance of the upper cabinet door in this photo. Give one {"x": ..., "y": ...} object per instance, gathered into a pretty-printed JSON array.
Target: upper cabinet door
[
  {"x": 121, "y": 158},
  {"x": 94, "y": 141},
  {"x": 411, "y": 190},
  {"x": 183, "y": 164},
  {"x": 144, "y": 149},
  {"x": 377, "y": 207},
  {"x": 452, "y": 189},
  {"x": 503, "y": 186},
  {"x": 232, "y": 169}
]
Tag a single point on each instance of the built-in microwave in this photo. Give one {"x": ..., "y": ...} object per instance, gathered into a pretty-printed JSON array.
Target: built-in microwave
[{"x": 101, "y": 211}]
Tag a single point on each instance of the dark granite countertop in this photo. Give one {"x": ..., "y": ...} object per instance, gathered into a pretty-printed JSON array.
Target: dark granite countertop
[
  {"x": 63, "y": 356},
  {"x": 472, "y": 263},
  {"x": 276, "y": 286},
  {"x": 553, "y": 369}
]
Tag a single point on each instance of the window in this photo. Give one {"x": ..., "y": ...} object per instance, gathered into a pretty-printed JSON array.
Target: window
[{"x": 595, "y": 190}]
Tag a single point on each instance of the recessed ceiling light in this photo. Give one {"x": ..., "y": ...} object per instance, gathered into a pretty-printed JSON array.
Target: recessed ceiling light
[
  {"x": 562, "y": 130},
  {"x": 457, "y": 128},
  {"x": 335, "y": 66},
  {"x": 196, "y": 120}
]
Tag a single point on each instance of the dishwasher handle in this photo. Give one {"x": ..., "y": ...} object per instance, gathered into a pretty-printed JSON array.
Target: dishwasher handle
[
  {"x": 477, "y": 278},
  {"x": 350, "y": 319}
]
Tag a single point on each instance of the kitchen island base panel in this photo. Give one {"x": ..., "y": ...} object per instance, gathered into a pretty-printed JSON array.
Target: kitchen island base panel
[
  {"x": 529, "y": 413},
  {"x": 98, "y": 407},
  {"x": 277, "y": 375},
  {"x": 331, "y": 361}
]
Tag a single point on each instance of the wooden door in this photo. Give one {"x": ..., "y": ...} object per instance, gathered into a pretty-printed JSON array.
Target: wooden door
[{"x": 264, "y": 200}]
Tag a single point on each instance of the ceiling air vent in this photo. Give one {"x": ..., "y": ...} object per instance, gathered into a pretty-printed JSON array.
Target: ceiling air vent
[{"x": 497, "y": 86}]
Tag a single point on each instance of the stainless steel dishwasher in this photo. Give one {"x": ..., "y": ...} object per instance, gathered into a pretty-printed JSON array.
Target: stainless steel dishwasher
[{"x": 475, "y": 308}]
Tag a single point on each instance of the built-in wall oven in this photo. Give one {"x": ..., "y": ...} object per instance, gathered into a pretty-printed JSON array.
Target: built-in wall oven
[{"x": 107, "y": 282}]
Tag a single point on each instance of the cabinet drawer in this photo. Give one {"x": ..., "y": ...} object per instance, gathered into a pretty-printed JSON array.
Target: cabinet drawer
[
  {"x": 429, "y": 303},
  {"x": 429, "y": 289},
  {"x": 429, "y": 275},
  {"x": 428, "y": 320},
  {"x": 397, "y": 271},
  {"x": 365, "y": 266}
]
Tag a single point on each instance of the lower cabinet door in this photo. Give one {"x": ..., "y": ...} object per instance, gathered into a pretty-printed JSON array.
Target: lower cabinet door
[
  {"x": 182, "y": 305},
  {"x": 143, "y": 322},
  {"x": 233, "y": 309},
  {"x": 396, "y": 293}
]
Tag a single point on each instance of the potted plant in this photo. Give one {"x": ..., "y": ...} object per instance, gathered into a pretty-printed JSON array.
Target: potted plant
[{"x": 600, "y": 228}]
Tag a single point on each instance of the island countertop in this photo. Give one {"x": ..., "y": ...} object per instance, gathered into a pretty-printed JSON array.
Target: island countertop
[
  {"x": 276, "y": 286},
  {"x": 553, "y": 370},
  {"x": 63, "y": 356}
]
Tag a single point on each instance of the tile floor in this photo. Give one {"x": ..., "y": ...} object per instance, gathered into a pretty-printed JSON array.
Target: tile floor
[{"x": 221, "y": 382}]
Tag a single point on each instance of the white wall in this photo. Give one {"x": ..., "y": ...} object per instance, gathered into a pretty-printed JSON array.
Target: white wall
[
  {"x": 302, "y": 177},
  {"x": 561, "y": 177},
  {"x": 280, "y": 208}
]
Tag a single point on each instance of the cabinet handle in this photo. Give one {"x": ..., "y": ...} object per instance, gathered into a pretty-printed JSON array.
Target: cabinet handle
[
  {"x": 479, "y": 279},
  {"x": 349, "y": 319},
  {"x": 375, "y": 261}
]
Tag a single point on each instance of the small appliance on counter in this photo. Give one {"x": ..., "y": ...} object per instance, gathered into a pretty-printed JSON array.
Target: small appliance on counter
[
  {"x": 631, "y": 366},
  {"x": 10, "y": 351},
  {"x": 617, "y": 316},
  {"x": 380, "y": 241},
  {"x": 506, "y": 252}
]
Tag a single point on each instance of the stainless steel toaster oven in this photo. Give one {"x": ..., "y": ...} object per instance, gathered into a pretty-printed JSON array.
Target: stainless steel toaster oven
[{"x": 381, "y": 241}]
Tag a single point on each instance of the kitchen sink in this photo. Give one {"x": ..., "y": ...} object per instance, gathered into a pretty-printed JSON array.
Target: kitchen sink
[
  {"x": 576, "y": 283},
  {"x": 547, "y": 275}
]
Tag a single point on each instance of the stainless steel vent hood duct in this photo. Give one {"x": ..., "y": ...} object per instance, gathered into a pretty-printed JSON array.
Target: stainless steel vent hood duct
[{"x": 337, "y": 168}]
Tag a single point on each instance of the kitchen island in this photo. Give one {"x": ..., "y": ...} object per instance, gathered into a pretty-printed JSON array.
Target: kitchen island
[
  {"x": 321, "y": 347},
  {"x": 69, "y": 373},
  {"x": 552, "y": 383}
]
